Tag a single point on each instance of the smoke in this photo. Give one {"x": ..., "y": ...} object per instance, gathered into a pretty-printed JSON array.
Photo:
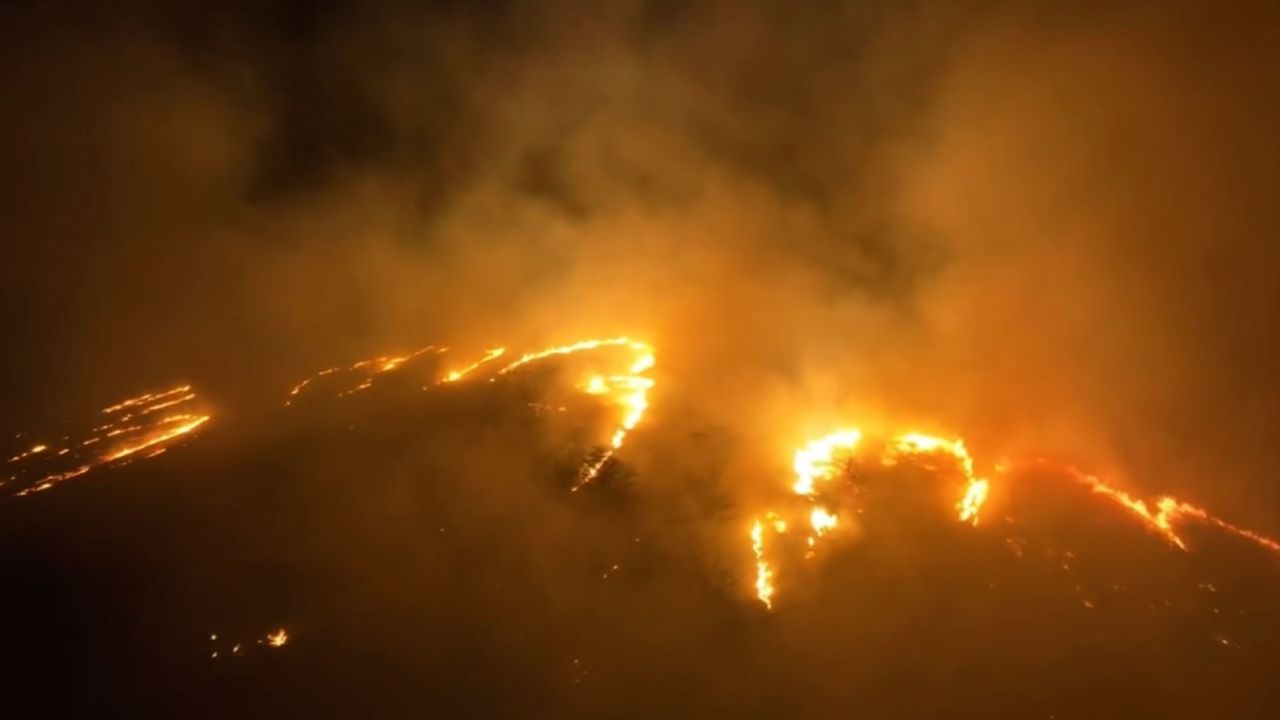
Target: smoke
[{"x": 1045, "y": 227}]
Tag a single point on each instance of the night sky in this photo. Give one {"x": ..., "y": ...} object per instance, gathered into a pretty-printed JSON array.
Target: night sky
[{"x": 1047, "y": 228}]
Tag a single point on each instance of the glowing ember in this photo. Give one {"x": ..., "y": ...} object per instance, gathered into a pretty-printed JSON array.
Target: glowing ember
[
  {"x": 278, "y": 638},
  {"x": 274, "y": 639}
]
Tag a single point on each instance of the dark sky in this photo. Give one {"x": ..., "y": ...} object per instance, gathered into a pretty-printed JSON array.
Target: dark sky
[{"x": 1045, "y": 226}]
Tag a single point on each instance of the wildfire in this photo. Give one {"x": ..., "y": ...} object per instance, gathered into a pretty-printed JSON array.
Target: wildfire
[
  {"x": 147, "y": 425},
  {"x": 368, "y": 368},
  {"x": 814, "y": 461},
  {"x": 629, "y": 390},
  {"x": 1169, "y": 512},
  {"x": 818, "y": 462},
  {"x": 491, "y": 354},
  {"x": 821, "y": 521},
  {"x": 136, "y": 428},
  {"x": 275, "y": 639},
  {"x": 974, "y": 496},
  {"x": 764, "y": 573}
]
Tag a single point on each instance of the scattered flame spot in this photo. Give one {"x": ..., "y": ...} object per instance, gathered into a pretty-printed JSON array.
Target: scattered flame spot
[{"x": 278, "y": 638}]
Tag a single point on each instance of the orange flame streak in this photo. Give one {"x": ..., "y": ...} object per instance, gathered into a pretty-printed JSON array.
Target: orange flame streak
[
  {"x": 49, "y": 481},
  {"x": 1169, "y": 511},
  {"x": 168, "y": 403},
  {"x": 298, "y": 388},
  {"x": 491, "y": 354},
  {"x": 146, "y": 398},
  {"x": 631, "y": 391},
  {"x": 142, "y": 439},
  {"x": 764, "y": 573},
  {"x": 365, "y": 385},
  {"x": 976, "y": 488},
  {"x": 373, "y": 366},
  {"x": 188, "y": 423},
  {"x": 35, "y": 450},
  {"x": 579, "y": 347},
  {"x": 387, "y": 363}
]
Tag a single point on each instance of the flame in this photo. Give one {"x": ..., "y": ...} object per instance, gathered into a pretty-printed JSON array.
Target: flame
[
  {"x": 629, "y": 390},
  {"x": 764, "y": 573},
  {"x": 134, "y": 432},
  {"x": 275, "y": 639},
  {"x": 817, "y": 462},
  {"x": 370, "y": 367},
  {"x": 491, "y": 354},
  {"x": 814, "y": 461},
  {"x": 146, "y": 437},
  {"x": 976, "y": 488},
  {"x": 1168, "y": 513},
  {"x": 298, "y": 388},
  {"x": 644, "y": 362},
  {"x": 146, "y": 398},
  {"x": 186, "y": 423},
  {"x": 974, "y": 496},
  {"x": 821, "y": 520}
]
